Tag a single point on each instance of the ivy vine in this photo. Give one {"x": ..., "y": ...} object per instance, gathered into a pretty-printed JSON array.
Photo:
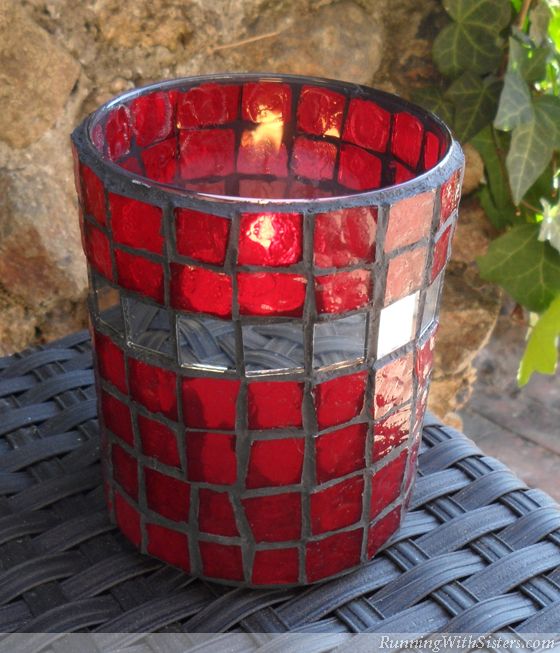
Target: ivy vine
[{"x": 500, "y": 60}]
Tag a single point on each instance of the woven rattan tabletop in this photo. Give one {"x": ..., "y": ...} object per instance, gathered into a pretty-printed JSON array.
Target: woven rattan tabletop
[{"x": 478, "y": 552}]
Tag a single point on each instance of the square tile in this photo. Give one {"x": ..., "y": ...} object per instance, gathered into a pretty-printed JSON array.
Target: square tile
[
  {"x": 125, "y": 470},
  {"x": 340, "y": 400},
  {"x": 93, "y": 194},
  {"x": 210, "y": 403},
  {"x": 216, "y": 514},
  {"x": 207, "y": 104},
  {"x": 265, "y": 102},
  {"x": 271, "y": 239},
  {"x": 340, "y": 452},
  {"x": 339, "y": 341},
  {"x": 272, "y": 347},
  {"x": 98, "y": 250},
  {"x": 380, "y": 532},
  {"x": 140, "y": 275},
  {"x": 108, "y": 304},
  {"x": 367, "y": 125},
  {"x": 118, "y": 132},
  {"x": 275, "y": 188},
  {"x": 275, "y": 567},
  {"x": 161, "y": 161},
  {"x": 200, "y": 290},
  {"x": 152, "y": 117},
  {"x": 391, "y": 432},
  {"x": 274, "y": 518},
  {"x": 431, "y": 303},
  {"x": 345, "y": 237},
  {"x": 148, "y": 327},
  {"x": 128, "y": 519},
  {"x": 386, "y": 484},
  {"x": 211, "y": 458},
  {"x": 425, "y": 359},
  {"x": 116, "y": 417},
  {"x": 397, "y": 324},
  {"x": 158, "y": 441},
  {"x": 409, "y": 221},
  {"x": 153, "y": 387},
  {"x": 222, "y": 561},
  {"x": 450, "y": 195},
  {"x": 271, "y": 293},
  {"x": 358, "y": 169},
  {"x": 274, "y": 404},
  {"x": 110, "y": 361},
  {"x": 136, "y": 223},
  {"x": 406, "y": 138},
  {"x": 441, "y": 253},
  {"x": 206, "y": 343},
  {"x": 337, "y": 506},
  {"x": 275, "y": 462},
  {"x": 405, "y": 274},
  {"x": 393, "y": 385},
  {"x": 202, "y": 236},
  {"x": 262, "y": 152},
  {"x": 343, "y": 291},
  {"x": 166, "y": 495},
  {"x": 168, "y": 545},
  {"x": 401, "y": 173},
  {"x": 319, "y": 111},
  {"x": 333, "y": 554},
  {"x": 313, "y": 159},
  {"x": 206, "y": 153},
  {"x": 431, "y": 150}
]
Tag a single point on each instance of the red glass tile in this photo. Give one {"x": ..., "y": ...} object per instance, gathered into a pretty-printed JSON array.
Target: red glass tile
[
  {"x": 313, "y": 159},
  {"x": 132, "y": 165},
  {"x": 401, "y": 173},
  {"x": 393, "y": 385},
  {"x": 345, "y": 237},
  {"x": 152, "y": 117},
  {"x": 116, "y": 417},
  {"x": 405, "y": 274},
  {"x": 409, "y": 221},
  {"x": 367, "y": 124},
  {"x": 441, "y": 249},
  {"x": 340, "y": 452},
  {"x": 305, "y": 190},
  {"x": 271, "y": 293},
  {"x": 160, "y": 161},
  {"x": 358, "y": 169},
  {"x": 94, "y": 194},
  {"x": 450, "y": 195},
  {"x": 320, "y": 111},
  {"x": 221, "y": 561},
  {"x": 125, "y": 470},
  {"x": 261, "y": 151},
  {"x": 391, "y": 432},
  {"x": 98, "y": 250},
  {"x": 275, "y": 404},
  {"x": 273, "y": 239},
  {"x": 386, "y": 484},
  {"x": 275, "y": 567},
  {"x": 128, "y": 519},
  {"x": 333, "y": 554},
  {"x": 380, "y": 532},
  {"x": 215, "y": 513},
  {"x": 276, "y": 188},
  {"x": 158, "y": 441},
  {"x": 97, "y": 137},
  {"x": 275, "y": 462},
  {"x": 425, "y": 360},
  {"x": 275, "y": 518},
  {"x": 117, "y": 133},
  {"x": 153, "y": 387},
  {"x": 265, "y": 102},
  {"x": 344, "y": 291},
  {"x": 110, "y": 360},
  {"x": 431, "y": 150},
  {"x": 338, "y": 506},
  {"x": 167, "y": 495},
  {"x": 207, "y": 104},
  {"x": 406, "y": 139},
  {"x": 136, "y": 223},
  {"x": 209, "y": 187},
  {"x": 209, "y": 403},
  {"x": 202, "y": 236},
  {"x": 168, "y": 545},
  {"x": 139, "y": 274},
  {"x": 211, "y": 458},
  {"x": 206, "y": 153},
  {"x": 200, "y": 290},
  {"x": 339, "y": 400}
]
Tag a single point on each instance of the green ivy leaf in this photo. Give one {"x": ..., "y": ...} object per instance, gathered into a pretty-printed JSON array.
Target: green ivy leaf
[
  {"x": 554, "y": 29},
  {"x": 527, "y": 268},
  {"x": 539, "y": 17},
  {"x": 550, "y": 225},
  {"x": 515, "y": 105},
  {"x": 532, "y": 145},
  {"x": 500, "y": 217},
  {"x": 541, "y": 353},
  {"x": 432, "y": 98},
  {"x": 472, "y": 41},
  {"x": 475, "y": 102}
]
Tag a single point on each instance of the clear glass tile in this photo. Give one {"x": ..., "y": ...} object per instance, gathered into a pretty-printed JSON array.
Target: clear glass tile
[
  {"x": 274, "y": 347},
  {"x": 397, "y": 324},
  {"x": 339, "y": 341},
  {"x": 431, "y": 303},
  {"x": 206, "y": 342},
  {"x": 108, "y": 304},
  {"x": 148, "y": 326}
]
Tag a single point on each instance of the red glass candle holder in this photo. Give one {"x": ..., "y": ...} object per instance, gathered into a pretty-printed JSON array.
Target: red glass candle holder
[{"x": 266, "y": 257}]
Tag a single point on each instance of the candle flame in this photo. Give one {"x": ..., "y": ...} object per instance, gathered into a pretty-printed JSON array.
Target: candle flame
[{"x": 268, "y": 132}]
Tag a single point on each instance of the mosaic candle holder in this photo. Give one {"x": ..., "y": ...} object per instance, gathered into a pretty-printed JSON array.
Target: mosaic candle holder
[{"x": 266, "y": 256}]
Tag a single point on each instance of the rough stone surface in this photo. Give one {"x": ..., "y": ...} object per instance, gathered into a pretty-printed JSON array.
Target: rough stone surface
[
  {"x": 36, "y": 77},
  {"x": 474, "y": 169}
]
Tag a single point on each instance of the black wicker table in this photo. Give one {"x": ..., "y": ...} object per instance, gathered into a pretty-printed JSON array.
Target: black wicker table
[{"x": 478, "y": 552}]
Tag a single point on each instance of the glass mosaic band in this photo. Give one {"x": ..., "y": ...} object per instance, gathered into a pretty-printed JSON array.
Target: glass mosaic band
[{"x": 266, "y": 256}]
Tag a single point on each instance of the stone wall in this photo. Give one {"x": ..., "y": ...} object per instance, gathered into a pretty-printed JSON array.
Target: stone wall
[{"x": 59, "y": 59}]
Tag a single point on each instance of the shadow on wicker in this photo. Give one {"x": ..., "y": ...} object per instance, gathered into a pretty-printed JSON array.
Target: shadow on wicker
[{"x": 478, "y": 552}]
